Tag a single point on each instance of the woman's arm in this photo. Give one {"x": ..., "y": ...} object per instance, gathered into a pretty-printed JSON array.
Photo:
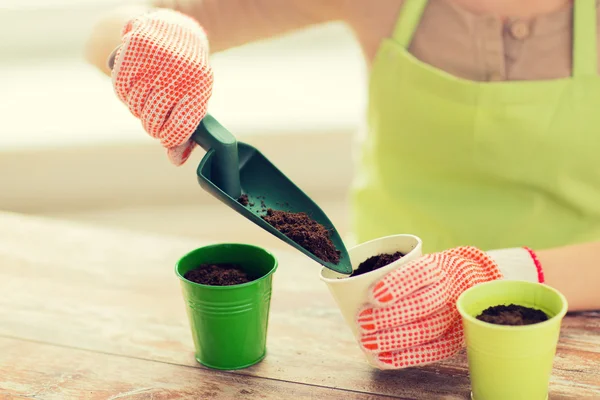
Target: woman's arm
[
  {"x": 106, "y": 35},
  {"x": 575, "y": 272},
  {"x": 228, "y": 23}
]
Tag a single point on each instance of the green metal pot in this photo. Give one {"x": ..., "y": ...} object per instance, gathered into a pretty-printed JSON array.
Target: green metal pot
[{"x": 229, "y": 323}]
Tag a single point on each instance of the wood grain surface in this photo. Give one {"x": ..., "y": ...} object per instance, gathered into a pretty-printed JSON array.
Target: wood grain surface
[{"x": 92, "y": 313}]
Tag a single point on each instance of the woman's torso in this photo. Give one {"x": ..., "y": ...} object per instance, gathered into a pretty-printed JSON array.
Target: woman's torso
[{"x": 457, "y": 156}]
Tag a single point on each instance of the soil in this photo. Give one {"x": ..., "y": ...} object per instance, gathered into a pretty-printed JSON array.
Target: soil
[
  {"x": 306, "y": 232},
  {"x": 376, "y": 262},
  {"x": 512, "y": 315},
  {"x": 218, "y": 275},
  {"x": 243, "y": 200}
]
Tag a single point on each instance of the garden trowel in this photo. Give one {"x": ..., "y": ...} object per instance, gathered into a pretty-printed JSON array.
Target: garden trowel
[{"x": 231, "y": 169}]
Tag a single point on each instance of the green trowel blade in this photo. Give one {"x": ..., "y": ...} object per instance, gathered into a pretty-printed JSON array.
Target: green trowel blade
[{"x": 267, "y": 187}]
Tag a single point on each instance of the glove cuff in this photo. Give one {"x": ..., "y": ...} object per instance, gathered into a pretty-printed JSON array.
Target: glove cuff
[{"x": 519, "y": 263}]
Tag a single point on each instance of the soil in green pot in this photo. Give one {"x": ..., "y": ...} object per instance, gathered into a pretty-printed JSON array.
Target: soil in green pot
[
  {"x": 218, "y": 275},
  {"x": 512, "y": 315}
]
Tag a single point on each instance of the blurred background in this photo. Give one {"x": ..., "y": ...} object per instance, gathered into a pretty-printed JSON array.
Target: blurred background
[{"x": 69, "y": 149}]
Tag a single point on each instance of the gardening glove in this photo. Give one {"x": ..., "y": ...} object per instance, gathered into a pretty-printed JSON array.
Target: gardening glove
[
  {"x": 161, "y": 73},
  {"x": 411, "y": 317}
]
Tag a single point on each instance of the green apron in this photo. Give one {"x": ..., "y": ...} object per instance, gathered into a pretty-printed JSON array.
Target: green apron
[{"x": 492, "y": 165}]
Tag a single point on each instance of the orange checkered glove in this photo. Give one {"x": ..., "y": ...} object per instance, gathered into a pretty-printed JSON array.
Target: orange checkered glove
[
  {"x": 161, "y": 72},
  {"x": 411, "y": 318}
]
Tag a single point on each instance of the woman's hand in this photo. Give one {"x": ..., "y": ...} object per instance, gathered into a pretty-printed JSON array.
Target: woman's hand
[
  {"x": 161, "y": 72},
  {"x": 411, "y": 318}
]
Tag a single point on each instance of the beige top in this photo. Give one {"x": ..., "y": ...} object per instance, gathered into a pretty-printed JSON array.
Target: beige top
[{"x": 474, "y": 39}]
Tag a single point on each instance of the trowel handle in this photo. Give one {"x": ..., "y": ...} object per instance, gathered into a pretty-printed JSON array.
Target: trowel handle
[{"x": 211, "y": 135}]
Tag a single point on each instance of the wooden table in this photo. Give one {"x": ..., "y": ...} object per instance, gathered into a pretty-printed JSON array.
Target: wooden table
[{"x": 87, "y": 313}]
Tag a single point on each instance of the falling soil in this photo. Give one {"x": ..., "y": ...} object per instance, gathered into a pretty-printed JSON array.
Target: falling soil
[
  {"x": 306, "y": 232},
  {"x": 243, "y": 200}
]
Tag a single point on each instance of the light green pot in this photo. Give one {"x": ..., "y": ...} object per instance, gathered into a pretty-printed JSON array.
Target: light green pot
[
  {"x": 511, "y": 362},
  {"x": 229, "y": 323}
]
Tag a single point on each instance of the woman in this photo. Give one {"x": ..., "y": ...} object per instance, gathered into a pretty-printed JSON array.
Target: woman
[{"x": 483, "y": 132}]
